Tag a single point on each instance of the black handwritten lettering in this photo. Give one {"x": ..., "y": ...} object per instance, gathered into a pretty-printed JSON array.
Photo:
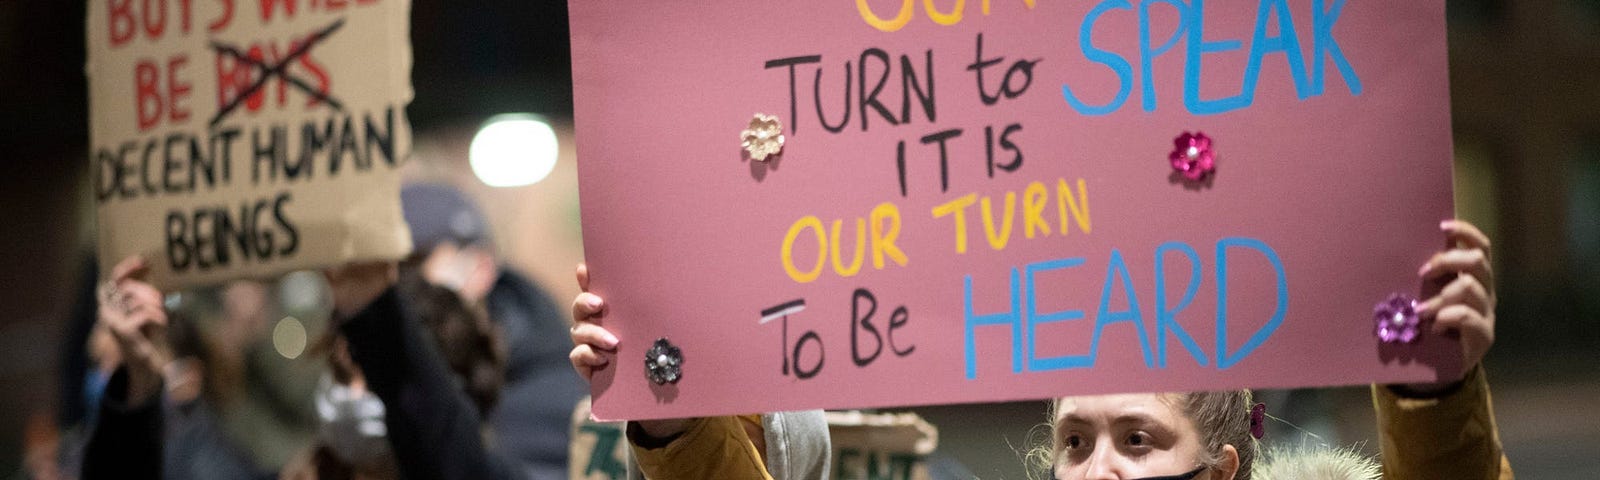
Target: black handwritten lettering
[
  {"x": 1007, "y": 88},
  {"x": 860, "y": 321},
  {"x": 898, "y": 319},
  {"x": 865, "y": 80},
  {"x": 268, "y": 154},
  {"x": 900, "y": 164},
  {"x": 870, "y": 99},
  {"x": 382, "y": 140},
  {"x": 802, "y": 373},
  {"x": 325, "y": 145},
  {"x": 792, "y": 355},
  {"x": 816, "y": 94},
  {"x": 1005, "y": 143},
  {"x": 944, "y": 154},
  {"x": 179, "y": 253},
  {"x": 174, "y": 164},
  {"x": 790, "y": 62},
  {"x": 216, "y": 236},
  {"x": 908, "y": 82},
  {"x": 292, "y": 235}
]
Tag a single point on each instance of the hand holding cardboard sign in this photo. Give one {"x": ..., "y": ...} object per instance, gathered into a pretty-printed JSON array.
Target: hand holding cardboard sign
[{"x": 132, "y": 311}]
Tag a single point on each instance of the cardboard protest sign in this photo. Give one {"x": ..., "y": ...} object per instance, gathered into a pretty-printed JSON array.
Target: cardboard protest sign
[
  {"x": 598, "y": 450},
  {"x": 893, "y": 446},
  {"x": 1004, "y": 200},
  {"x": 250, "y": 137}
]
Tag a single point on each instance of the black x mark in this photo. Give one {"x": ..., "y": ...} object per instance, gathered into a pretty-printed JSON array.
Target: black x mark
[{"x": 277, "y": 70}]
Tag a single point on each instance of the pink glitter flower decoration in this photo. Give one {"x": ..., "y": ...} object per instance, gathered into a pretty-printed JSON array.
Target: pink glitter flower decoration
[
  {"x": 1396, "y": 319},
  {"x": 1191, "y": 155}
]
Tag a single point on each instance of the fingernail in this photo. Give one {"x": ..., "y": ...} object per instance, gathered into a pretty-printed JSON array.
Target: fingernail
[
  {"x": 611, "y": 340},
  {"x": 1425, "y": 268},
  {"x": 592, "y": 302},
  {"x": 1444, "y": 224}
]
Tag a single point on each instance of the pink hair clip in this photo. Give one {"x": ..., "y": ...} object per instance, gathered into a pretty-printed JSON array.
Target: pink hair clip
[{"x": 1258, "y": 420}]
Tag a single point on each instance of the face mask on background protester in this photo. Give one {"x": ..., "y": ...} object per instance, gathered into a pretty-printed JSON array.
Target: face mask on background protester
[{"x": 352, "y": 424}]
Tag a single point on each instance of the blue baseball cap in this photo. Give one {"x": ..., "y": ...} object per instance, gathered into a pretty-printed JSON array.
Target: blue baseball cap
[{"x": 439, "y": 213}]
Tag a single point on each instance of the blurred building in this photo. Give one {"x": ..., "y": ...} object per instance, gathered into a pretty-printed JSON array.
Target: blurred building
[{"x": 1527, "y": 124}]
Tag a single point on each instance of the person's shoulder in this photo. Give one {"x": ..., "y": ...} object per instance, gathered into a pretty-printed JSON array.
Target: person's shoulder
[
  {"x": 534, "y": 327},
  {"x": 516, "y": 287}
]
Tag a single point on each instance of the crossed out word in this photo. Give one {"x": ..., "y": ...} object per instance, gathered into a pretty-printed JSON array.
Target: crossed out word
[{"x": 279, "y": 69}]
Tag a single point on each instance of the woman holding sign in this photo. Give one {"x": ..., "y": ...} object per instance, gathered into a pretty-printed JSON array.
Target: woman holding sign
[{"x": 1444, "y": 430}]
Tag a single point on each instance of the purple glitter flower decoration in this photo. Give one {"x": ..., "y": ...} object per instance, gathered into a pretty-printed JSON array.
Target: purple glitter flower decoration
[
  {"x": 663, "y": 363},
  {"x": 1191, "y": 155},
  {"x": 1258, "y": 420},
  {"x": 1396, "y": 319}
]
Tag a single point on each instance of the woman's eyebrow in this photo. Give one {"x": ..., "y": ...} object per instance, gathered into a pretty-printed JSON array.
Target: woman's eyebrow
[
  {"x": 1138, "y": 418},
  {"x": 1074, "y": 419}
]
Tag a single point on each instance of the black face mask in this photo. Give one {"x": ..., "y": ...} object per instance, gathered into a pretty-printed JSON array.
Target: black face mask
[{"x": 1182, "y": 476}]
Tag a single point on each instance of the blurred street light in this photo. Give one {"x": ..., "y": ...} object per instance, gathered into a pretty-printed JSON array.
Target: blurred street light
[{"x": 513, "y": 150}]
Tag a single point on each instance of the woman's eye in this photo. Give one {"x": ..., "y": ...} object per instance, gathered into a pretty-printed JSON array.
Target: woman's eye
[
  {"x": 1138, "y": 439},
  {"x": 1073, "y": 442}
]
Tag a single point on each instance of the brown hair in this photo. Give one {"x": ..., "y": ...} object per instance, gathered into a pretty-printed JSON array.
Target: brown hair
[
  {"x": 467, "y": 340},
  {"x": 470, "y": 344},
  {"x": 1222, "y": 418}
]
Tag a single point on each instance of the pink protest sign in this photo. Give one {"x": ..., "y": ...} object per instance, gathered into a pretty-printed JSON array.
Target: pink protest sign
[{"x": 996, "y": 200}]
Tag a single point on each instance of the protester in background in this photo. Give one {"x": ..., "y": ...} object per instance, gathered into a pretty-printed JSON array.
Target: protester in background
[
  {"x": 421, "y": 424},
  {"x": 127, "y": 439},
  {"x": 453, "y": 248},
  {"x": 158, "y": 369},
  {"x": 197, "y": 447},
  {"x": 353, "y": 439},
  {"x": 262, "y": 394},
  {"x": 1444, "y": 430}
]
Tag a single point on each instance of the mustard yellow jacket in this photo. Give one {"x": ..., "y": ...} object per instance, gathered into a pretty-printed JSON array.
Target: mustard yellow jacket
[{"x": 1450, "y": 436}]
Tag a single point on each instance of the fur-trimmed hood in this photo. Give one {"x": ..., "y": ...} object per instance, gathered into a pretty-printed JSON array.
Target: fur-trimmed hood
[{"x": 1315, "y": 463}]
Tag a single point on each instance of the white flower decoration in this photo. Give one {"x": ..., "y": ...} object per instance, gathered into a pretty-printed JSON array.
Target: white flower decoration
[{"x": 764, "y": 137}]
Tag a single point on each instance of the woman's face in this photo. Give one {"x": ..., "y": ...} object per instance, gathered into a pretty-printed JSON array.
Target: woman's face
[{"x": 1124, "y": 437}]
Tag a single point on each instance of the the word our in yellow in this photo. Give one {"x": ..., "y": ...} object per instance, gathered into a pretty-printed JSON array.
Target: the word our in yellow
[
  {"x": 908, "y": 10},
  {"x": 885, "y": 229}
]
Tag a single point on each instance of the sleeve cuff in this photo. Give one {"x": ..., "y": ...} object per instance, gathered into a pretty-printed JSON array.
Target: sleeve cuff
[
  {"x": 638, "y": 437},
  {"x": 1461, "y": 397}
]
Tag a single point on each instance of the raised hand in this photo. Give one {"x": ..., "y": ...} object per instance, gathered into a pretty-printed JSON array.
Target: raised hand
[{"x": 132, "y": 310}]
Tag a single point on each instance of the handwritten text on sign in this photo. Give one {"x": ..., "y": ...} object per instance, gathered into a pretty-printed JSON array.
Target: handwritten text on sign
[
  {"x": 977, "y": 192},
  {"x": 246, "y": 137}
]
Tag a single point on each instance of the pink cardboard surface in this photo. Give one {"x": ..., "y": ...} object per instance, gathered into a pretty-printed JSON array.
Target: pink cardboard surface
[{"x": 975, "y": 201}]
